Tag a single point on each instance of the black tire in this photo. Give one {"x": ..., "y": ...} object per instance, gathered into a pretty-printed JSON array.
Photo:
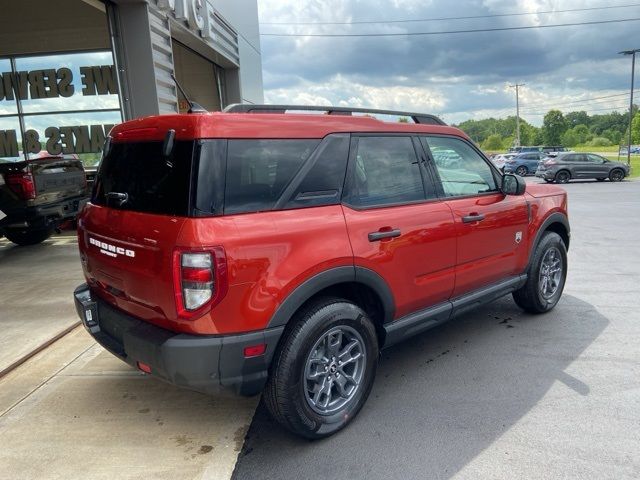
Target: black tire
[
  {"x": 616, "y": 175},
  {"x": 286, "y": 396},
  {"x": 531, "y": 297},
  {"x": 28, "y": 237},
  {"x": 563, "y": 176},
  {"x": 522, "y": 171}
]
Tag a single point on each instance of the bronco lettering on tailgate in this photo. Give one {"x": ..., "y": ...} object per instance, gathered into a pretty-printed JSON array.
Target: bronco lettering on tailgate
[{"x": 111, "y": 250}]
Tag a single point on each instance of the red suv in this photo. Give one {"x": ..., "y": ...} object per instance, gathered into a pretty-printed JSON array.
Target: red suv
[{"x": 260, "y": 249}]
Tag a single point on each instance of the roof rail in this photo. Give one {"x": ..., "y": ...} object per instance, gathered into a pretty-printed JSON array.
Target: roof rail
[{"x": 423, "y": 118}]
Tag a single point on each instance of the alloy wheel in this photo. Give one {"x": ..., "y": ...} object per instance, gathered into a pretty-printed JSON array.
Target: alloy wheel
[
  {"x": 550, "y": 273},
  {"x": 334, "y": 370}
]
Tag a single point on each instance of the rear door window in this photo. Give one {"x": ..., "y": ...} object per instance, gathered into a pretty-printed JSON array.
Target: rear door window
[
  {"x": 258, "y": 171},
  {"x": 136, "y": 176}
]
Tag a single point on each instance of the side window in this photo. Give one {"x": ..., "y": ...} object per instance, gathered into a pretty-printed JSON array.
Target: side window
[
  {"x": 258, "y": 171},
  {"x": 594, "y": 158},
  {"x": 386, "y": 171},
  {"x": 324, "y": 176},
  {"x": 462, "y": 170}
]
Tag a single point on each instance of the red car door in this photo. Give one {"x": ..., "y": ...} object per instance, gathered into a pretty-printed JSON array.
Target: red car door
[
  {"x": 397, "y": 226},
  {"x": 491, "y": 227}
]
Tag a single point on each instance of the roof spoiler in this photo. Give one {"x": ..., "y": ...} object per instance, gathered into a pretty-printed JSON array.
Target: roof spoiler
[{"x": 422, "y": 118}]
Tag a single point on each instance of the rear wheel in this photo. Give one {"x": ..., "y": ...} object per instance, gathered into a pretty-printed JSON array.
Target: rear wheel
[
  {"x": 616, "y": 175},
  {"x": 324, "y": 370},
  {"x": 28, "y": 237},
  {"x": 562, "y": 176},
  {"x": 522, "y": 171},
  {"x": 546, "y": 276}
]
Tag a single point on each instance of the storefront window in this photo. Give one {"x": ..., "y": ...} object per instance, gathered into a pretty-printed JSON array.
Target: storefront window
[{"x": 65, "y": 105}]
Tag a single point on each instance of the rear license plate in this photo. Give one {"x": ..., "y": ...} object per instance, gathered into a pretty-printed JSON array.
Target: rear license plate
[{"x": 90, "y": 316}]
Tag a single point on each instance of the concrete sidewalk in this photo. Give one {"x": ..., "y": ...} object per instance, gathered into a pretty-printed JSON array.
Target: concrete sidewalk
[
  {"x": 75, "y": 411},
  {"x": 36, "y": 286}
]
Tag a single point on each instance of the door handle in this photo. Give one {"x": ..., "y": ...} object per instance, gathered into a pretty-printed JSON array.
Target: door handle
[
  {"x": 473, "y": 217},
  {"x": 379, "y": 235}
]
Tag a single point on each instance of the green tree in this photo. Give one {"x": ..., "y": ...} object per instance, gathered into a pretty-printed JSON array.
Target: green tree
[
  {"x": 554, "y": 126},
  {"x": 577, "y": 118},
  {"x": 635, "y": 129},
  {"x": 493, "y": 142},
  {"x": 600, "y": 142},
  {"x": 614, "y": 135},
  {"x": 582, "y": 133},
  {"x": 570, "y": 138}
]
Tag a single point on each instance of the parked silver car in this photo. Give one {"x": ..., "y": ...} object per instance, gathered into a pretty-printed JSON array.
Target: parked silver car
[{"x": 570, "y": 165}]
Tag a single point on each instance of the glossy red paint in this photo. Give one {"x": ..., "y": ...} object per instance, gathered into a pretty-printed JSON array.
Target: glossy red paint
[
  {"x": 489, "y": 250},
  {"x": 268, "y": 254},
  {"x": 419, "y": 265},
  {"x": 262, "y": 125}
]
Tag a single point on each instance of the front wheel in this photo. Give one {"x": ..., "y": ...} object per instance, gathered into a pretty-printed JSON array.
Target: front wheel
[
  {"x": 546, "y": 276},
  {"x": 28, "y": 237},
  {"x": 616, "y": 175},
  {"x": 324, "y": 369}
]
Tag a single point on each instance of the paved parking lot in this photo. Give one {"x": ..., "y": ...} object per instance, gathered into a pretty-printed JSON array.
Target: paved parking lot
[{"x": 494, "y": 394}]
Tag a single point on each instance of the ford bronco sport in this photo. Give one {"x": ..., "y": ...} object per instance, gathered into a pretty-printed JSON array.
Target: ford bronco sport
[{"x": 260, "y": 249}]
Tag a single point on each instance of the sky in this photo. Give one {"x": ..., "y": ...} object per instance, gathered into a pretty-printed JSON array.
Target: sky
[{"x": 457, "y": 76}]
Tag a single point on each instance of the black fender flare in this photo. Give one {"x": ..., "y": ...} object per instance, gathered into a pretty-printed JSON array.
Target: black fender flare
[
  {"x": 328, "y": 278},
  {"x": 555, "y": 217}
]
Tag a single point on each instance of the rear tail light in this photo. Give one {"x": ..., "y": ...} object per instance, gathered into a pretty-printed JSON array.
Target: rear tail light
[
  {"x": 200, "y": 280},
  {"x": 21, "y": 184}
]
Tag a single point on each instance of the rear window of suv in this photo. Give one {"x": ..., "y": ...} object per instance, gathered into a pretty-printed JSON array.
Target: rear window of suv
[
  {"x": 151, "y": 182},
  {"x": 212, "y": 177}
]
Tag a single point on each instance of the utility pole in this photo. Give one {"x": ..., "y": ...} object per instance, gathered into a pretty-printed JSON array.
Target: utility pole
[
  {"x": 633, "y": 71},
  {"x": 517, "y": 86}
]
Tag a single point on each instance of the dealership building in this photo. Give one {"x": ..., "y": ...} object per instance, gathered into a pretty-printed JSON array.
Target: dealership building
[{"x": 70, "y": 69}]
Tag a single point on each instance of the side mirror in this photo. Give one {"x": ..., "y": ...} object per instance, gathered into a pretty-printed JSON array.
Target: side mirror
[{"x": 513, "y": 184}]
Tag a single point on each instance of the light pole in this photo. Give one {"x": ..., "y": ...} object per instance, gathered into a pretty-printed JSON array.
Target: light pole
[
  {"x": 633, "y": 71},
  {"x": 516, "y": 86}
]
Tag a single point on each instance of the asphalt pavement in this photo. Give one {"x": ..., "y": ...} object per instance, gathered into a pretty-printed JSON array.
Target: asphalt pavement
[{"x": 499, "y": 393}]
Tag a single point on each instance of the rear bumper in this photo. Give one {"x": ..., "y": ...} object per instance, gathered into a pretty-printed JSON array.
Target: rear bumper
[
  {"x": 43, "y": 216},
  {"x": 205, "y": 363}
]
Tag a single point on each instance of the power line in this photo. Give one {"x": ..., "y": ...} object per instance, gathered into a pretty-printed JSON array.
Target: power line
[
  {"x": 578, "y": 103},
  {"x": 446, "y": 32},
  {"x": 470, "y": 17},
  {"x": 588, "y": 110}
]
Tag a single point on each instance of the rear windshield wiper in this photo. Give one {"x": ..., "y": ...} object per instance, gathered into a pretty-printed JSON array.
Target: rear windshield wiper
[{"x": 120, "y": 198}]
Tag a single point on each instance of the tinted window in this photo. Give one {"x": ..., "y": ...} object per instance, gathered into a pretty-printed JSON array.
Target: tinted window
[
  {"x": 152, "y": 183},
  {"x": 323, "y": 174},
  {"x": 461, "y": 169},
  {"x": 594, "y": 158},
  {"x": 211, "y": 177},
  {"x": 385, "y": 171},
  {"x": 258, "y": 171}
]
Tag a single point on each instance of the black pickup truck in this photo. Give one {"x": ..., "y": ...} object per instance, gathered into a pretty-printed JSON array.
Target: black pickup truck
[{"x": 37, "y": 195}]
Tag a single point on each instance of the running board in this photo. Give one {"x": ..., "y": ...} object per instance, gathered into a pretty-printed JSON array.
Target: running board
[{"x": 423, "y": 320}]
